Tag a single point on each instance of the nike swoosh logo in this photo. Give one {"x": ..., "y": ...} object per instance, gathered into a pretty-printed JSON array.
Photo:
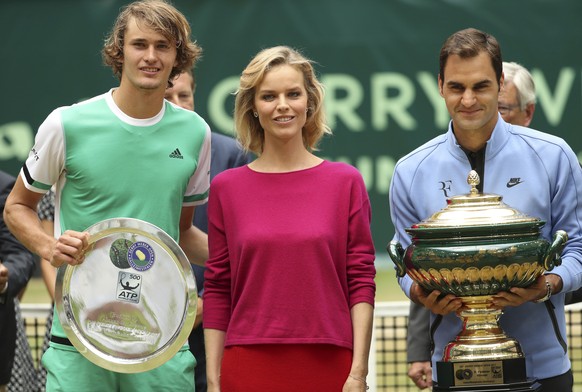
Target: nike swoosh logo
[{"x": 513, "y": 183}]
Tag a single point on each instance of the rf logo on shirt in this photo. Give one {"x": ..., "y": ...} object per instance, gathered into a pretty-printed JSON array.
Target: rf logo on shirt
[{"x": 445, "y": 186}]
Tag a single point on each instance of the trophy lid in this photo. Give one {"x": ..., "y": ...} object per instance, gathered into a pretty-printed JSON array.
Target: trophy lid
[{"x": 476, "y": 210}]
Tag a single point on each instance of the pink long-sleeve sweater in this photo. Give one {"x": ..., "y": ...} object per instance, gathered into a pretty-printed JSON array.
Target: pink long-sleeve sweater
[{"x": 290, "y": 254}]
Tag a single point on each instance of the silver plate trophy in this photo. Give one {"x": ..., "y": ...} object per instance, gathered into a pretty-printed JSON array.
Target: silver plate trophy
[{"x": 130, "y": 306}]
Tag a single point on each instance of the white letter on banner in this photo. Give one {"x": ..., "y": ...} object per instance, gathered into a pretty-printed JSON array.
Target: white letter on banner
[
  {"x": 384, "y": 168},
  {"x": 343, "y": 108},
  {"x": 16, "y": 139},
  {"x": 553, "y": 106},
  {"x": 216, "y": 104},
  {"x": 397, "y": 105},
  {"x": 430, "y": 86}
]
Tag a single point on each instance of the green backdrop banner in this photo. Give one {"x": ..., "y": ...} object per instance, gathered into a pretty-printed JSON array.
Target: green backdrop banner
[{"x": 377, "y": 58}]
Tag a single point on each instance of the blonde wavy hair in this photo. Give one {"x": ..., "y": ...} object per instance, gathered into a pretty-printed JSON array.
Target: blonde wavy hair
[
  {"x": 163, "y": 18},
  {"x": 249, "y": 132}
]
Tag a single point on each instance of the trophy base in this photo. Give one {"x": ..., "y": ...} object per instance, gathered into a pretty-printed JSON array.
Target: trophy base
[
  {"x": 526, "y": 386},
  {"x": 484, "y": 376}
]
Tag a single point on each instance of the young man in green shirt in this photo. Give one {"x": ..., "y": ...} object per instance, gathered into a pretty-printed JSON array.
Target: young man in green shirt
[{"x": 125, "y": 153}]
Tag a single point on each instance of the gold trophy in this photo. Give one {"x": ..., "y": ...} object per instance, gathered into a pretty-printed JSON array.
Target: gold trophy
[{"x": 474, "y": 248}]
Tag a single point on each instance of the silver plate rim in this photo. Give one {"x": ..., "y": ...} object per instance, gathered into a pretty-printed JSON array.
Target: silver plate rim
[{"x": 179, "y": 338}]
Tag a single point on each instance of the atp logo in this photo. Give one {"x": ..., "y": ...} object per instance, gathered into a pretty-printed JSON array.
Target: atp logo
[{"x": 129, "y": 287}]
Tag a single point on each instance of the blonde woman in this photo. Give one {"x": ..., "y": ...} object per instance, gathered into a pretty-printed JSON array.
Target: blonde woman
[{"x": 289, "y": 286}]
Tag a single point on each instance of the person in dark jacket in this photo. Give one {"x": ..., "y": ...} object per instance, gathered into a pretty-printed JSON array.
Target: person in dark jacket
[{"x": 16, "y": 267}]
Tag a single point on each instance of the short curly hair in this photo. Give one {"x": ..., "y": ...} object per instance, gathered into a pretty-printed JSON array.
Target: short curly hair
[
  {"x": 163, "y": 18},
  {"x": 248, "y": 128}
]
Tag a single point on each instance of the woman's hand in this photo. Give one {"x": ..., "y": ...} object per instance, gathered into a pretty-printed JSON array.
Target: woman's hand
[{"x": 355, "y": 384}]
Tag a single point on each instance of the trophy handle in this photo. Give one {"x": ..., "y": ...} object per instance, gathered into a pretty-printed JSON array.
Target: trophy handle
[
  {"x": 396, "y": 253},
  {"x": 553, "y": 257}
]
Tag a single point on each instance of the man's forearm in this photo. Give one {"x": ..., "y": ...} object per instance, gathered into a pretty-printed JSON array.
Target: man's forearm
[
  {"x": 26, "y": 227},
  {"x": 194, "y": 243}
]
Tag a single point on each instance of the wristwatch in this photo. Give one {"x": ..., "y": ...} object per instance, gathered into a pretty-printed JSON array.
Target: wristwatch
[{"x": 548, "y": 294}]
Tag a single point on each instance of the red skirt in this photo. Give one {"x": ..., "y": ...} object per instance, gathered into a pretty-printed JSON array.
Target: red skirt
[{"x": 285, "y": 368}]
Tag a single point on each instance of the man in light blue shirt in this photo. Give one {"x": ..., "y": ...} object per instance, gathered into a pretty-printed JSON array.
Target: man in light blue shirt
[{"x": 548, "y": 182}]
